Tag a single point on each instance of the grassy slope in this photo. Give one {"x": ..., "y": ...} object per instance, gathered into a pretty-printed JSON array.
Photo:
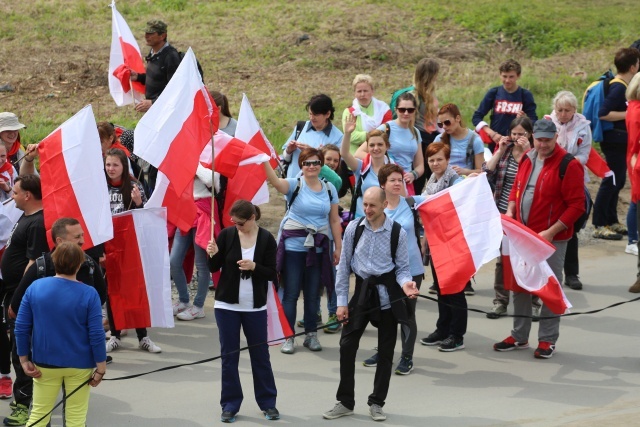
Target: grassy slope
[{"x": 249, "y": 46}]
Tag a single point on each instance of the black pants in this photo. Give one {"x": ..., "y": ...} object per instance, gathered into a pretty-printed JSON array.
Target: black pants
[
  {"x": 349, "y": 344},
  {"x": 23, "y": 384},
  {"x": 5, "y": 345},
  {"x": 451, "y": 321},
  {"x": 605, "y": 208},
  {"x": 408, "y": 334},
  {"x": 571, "y": 262}
]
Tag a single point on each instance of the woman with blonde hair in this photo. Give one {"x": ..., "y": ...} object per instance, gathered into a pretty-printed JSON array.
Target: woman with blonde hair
[{"x": 369, "y": 111}]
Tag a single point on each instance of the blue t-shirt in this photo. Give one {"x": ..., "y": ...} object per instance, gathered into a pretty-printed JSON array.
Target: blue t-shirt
[
  {"x": 314, "y": 138},
  {"x": 403, "y": 215},
  {"x": 459, "y": 149},
  {"x": 404, "y": 144},
  {"x": 310, "y": 207},
  {"x": 370, "y": 180}
]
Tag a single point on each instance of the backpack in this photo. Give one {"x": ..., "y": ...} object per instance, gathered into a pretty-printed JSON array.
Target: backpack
[
  {"x": 395, "y": 235},
  {"x": 181, "y": 55},
  {"x": 416, "y": 221},
  {"x": 297, "y": 190},
  {"x": 357, "y": 192},
  {"x": 285, "y": 164},
  {"x": 41, "y": 266},
  {"x": 592, "y": 101},
  {"x": 588, "y": 203},
  {"x": 394, "y": 99}
]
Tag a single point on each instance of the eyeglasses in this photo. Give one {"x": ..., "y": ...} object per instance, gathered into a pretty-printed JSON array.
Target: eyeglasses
[
  {"x": 444, "y": 123},
  {"x": 406, "y": 110},
  {"x": 239, "y": 223},
  {"x": 311, "y": 163}
]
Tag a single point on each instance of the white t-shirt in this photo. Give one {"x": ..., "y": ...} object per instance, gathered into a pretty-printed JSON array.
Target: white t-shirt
[{"x": 245, "y": 296}]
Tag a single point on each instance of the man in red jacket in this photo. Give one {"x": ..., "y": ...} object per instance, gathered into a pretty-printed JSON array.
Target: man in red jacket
[{"x": 549, "y": 204}]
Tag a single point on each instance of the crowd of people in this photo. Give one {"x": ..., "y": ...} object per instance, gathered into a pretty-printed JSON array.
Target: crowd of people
[{"x": 390, "y": 158}]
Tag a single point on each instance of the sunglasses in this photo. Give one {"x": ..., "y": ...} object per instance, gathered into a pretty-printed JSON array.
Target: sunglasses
[
  {"x": 444, "y": 123},
  {"x": 239, "y": 223},
  {"x": 406, "y": 110},
  {"x": 311, "y": 163}
]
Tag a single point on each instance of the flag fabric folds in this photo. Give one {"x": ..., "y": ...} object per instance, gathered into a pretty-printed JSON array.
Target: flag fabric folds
[
  {"x": 125, "y": 55},
  {"x": 9, "y": 215},
  {"x": 177, "y": 127},
  {"x": 235, "y": 154},
  {"x": 73, "y": 181},
  {"x": 137, "y": 260},
  {"x": 249, "y": 131},
  {"x": 598, "y": 166},
  {"x": 462, "y": 226},
  {"x": 525, "y": 269},
  {"x": 181, "y": 208},
  {"x": 277, "y": 324}
]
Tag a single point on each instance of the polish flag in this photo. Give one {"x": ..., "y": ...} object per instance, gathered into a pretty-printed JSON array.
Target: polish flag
[
  {"x": 73, "y": 181},
  {"x": 137, "y": 260},
  {"x": 220, "y": 140},
  {"x": 177, "y": 127},
  {"x": 462, "y": 226},
  {"x": 181, "y": 208},
  {"x": 249, "y": 131},
  {"x": 236, "y": 154},
  {"x": 598, "y": 166},
  {"x": 277, "y": 324},
  {"x": 125, "y": 56},
  {"x": 9, "y": 215},
  {"x": 524, "y": 255}
]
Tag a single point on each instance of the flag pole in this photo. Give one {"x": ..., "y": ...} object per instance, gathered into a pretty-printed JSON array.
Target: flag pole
[{"x": 213, "y": 180}]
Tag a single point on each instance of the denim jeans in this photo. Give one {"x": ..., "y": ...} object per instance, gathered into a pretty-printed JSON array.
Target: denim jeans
[
  {"x": 296, "y": 277},
  {"x": 632, "y": 223},
  {"x": 181, "y": 243}
]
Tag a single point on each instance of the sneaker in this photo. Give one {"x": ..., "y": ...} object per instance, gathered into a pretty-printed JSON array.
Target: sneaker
[
  {"x": 632, "y": 249},
  {"x": 148, "y": 345},
  {"x": 535, "y": 313},
  {"x": 573, "y": 282},
  {"x": 376, "y": 413},
  {"x": 271, "y": 414},
  {"x": 405, "y": 366},
  {"x": 311, "y": 342},
  {"x": 451, "y": 344},
  {"x": 433, "y": 289},
  {"x": 228, "y": 417},
  {"x": 619, "y": 228},
  {"x": 468, "y": 290},
  {"x": 191, "y": 313},
  {"x": 497, "y": 311},
  {"x": 300, "y": 323},
  {"x": 338, "y": 411},
  {"x": 19, "y": 416},
  {"x": 109, "y": 360},
  {"x": 113, "y": 344},
  {"x": 545, "y": 350},
  {"x": 6, "y": 388},
  {"x": 371, "y": 362},
  {"x": 179, "y": 307},
  {"x": 434, "y": 338},
  {"x": 289, "y": 346},
  {"x": 635, "y": 288},
  {"x": 333, "y": 325},
  {"x": 509, "y": 344},
  {"x": 606, "y": 233}
]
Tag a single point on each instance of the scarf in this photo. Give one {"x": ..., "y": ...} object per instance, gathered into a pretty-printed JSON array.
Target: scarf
[
  {"x": 433, "y": 186},
  {"x": 370, "y": 123},
  {"x": 567, "y": 133}
]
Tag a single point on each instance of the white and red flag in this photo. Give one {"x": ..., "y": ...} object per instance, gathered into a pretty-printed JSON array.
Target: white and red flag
[
  {"x": 9, "y": 215},
  {"x": 125, "y": 56},
  {"x": 73, "y": 181},
  {"x": 462, "y": 226},
  {"x": 599, "y": 166},
  {"x": 524, "y": 255},
  {"x": 181, "y": 208},
  {"x": 277, "y": 323},
  {"x": 236, "y": 154},
  {"x": 251, "y": 184},
  {"x": 137, "y": 260},
  {"x": 177, "y": 127}
]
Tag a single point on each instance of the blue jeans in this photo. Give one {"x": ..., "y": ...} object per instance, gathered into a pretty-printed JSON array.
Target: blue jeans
[
  {"x": 632, "y": 222},
  {"x": 298, "y": 276},
  {"x": 181, "y": 243},
  {"x": 254, "y": 326}
]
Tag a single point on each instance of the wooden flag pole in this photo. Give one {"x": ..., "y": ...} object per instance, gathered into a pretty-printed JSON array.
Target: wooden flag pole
[{"x": 213, "y": 180}]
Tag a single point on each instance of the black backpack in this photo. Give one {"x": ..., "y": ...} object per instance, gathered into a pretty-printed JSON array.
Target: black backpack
[
  {"x": 181, "y": 55},
  {"x": 395, "y": 235},
  {"x": 285, "y": 163}
]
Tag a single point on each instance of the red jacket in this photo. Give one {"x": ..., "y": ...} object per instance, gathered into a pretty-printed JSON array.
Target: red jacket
[{"x": 553, "y": 198}]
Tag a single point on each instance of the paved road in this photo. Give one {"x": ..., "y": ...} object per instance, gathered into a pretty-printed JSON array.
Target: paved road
[{"x": 592, "y": 380}]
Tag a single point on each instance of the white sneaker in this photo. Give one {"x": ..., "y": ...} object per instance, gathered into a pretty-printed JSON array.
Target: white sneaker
[
  {"x": 191, "y": 313},
  {"x": 289, "y": 346},
  {"x": 179, "y": 307},
  {"x": 113, "y": 344},
  {"x": 632, "y": 248},
  {"x": 148, "y": 345}
]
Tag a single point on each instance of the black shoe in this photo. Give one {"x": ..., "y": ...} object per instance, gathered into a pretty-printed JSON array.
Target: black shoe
[
  {"x": 468, "y": 290},
  {"x": 109, "y": 359},
  {"x": 371, "y": 362},
  {"x": 573, "y": 282},
  {"x": 452, "y": 344},
  {"x": 271, "y": 414},
  {"x": 433, "y": 289},
  {"x": 434, "y": 338},
  {"x": 228, "y": 417}
]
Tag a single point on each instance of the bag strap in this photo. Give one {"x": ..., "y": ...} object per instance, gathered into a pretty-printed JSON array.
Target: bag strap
[
  {"x": 395, "y": 235},
  {"x": 41, "y": 267},
  {"x": 564, "y": 163},
  {"x": 325, "y": 184},
  {"x": 299, "y": 127},
  {"x": 357, "y": 235}
]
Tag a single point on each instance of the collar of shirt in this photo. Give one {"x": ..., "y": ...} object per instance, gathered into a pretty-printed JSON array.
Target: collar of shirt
[
  {"x": 151, "y": 53},
  {"x": 326, "y": 130},
  {"x": 387, "y": 225}
]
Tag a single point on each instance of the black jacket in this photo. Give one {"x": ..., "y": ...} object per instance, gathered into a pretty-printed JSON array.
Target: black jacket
[
  {"x": 160, "y": 68},
  {"x": 230, "y": 252}
]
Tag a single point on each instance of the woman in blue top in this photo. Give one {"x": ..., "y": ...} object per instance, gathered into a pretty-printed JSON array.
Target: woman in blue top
[
  {"x": 404, "y": 139},
  {"x": 317, "y": 131},
  {"x": 366, "y": 170},
  {"x": 467, "y": 149},
  {"x": 401, "y": 210},
  {"x": 65, "y": 339},
  {"x": 308, "y": 230}
]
